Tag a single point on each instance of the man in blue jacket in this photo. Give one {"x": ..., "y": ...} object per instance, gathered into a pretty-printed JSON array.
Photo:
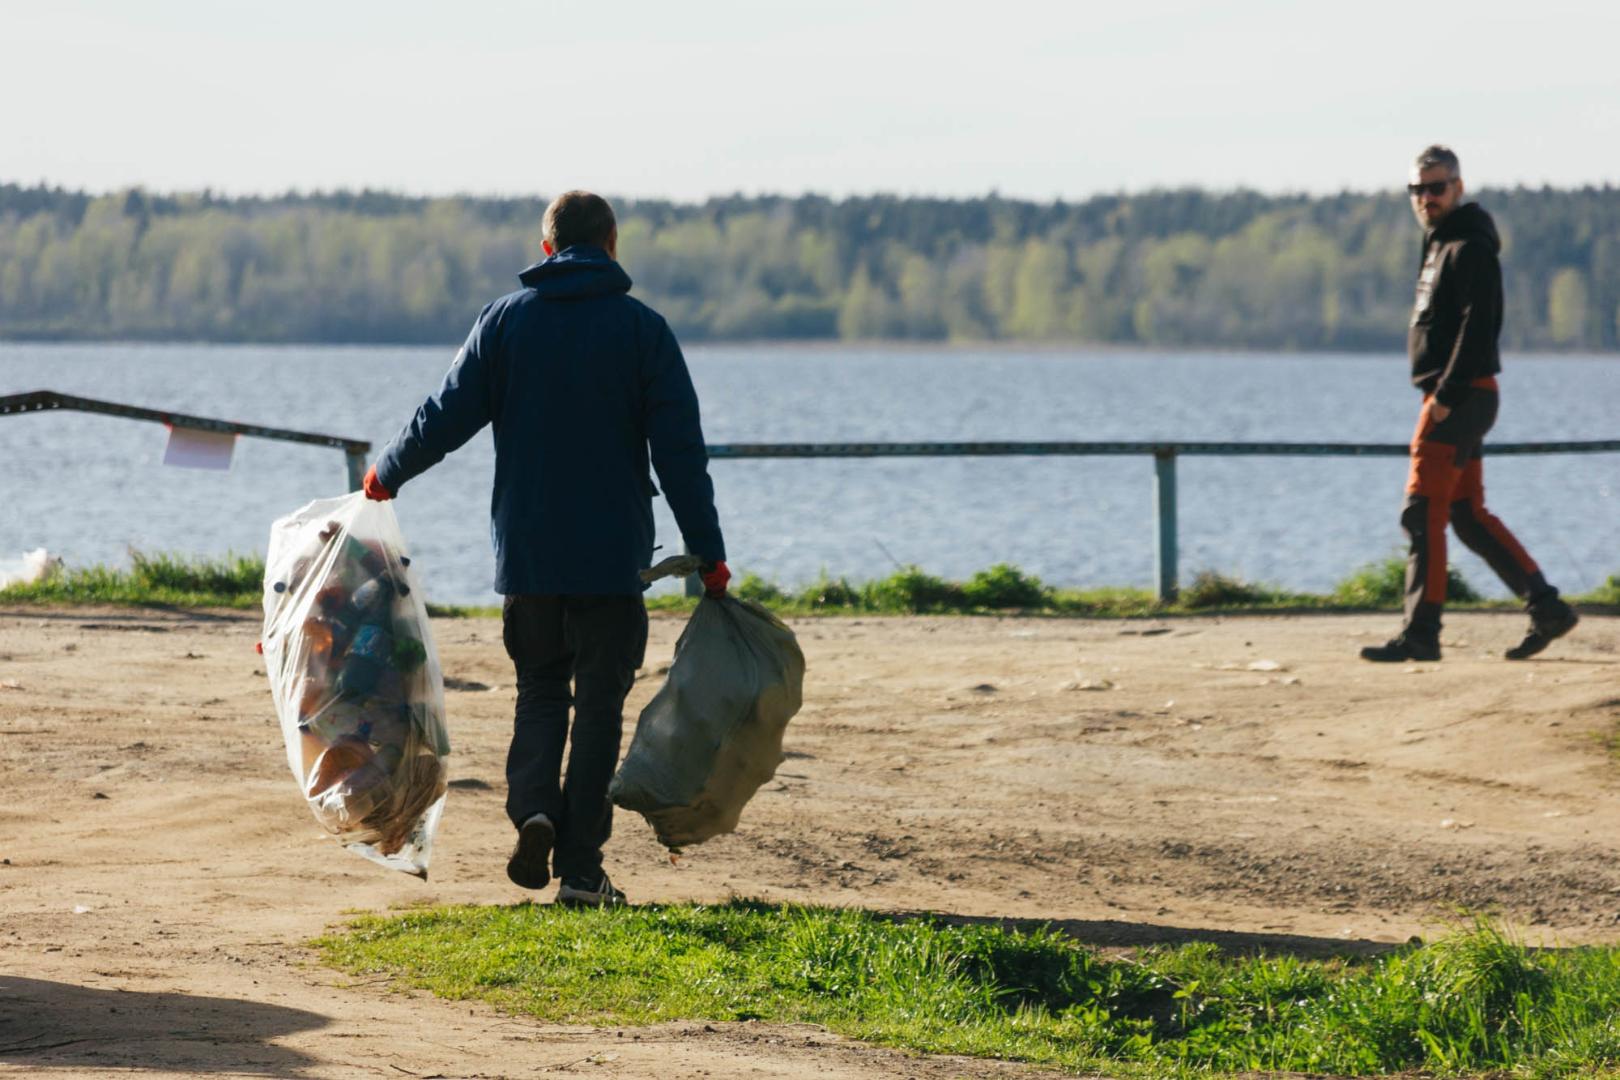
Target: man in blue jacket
[{"x": 584, "y": 387}]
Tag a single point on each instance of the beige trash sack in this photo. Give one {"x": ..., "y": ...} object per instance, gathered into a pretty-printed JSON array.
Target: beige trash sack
[{"x": 713, "y": 733}]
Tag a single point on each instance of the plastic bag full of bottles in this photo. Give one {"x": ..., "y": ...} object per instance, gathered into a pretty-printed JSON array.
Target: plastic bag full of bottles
[{"x": 356, "y": 678}]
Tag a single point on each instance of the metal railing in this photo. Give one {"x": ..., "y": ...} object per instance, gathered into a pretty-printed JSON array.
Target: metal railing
[
  {"x": 354, "y": 450},
  {"x": 1164, "y": 456}
]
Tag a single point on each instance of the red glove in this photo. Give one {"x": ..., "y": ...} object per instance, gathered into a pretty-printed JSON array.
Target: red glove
[
  {"x": 373, "y": 487},
  {"x": 714, "y": 577}
]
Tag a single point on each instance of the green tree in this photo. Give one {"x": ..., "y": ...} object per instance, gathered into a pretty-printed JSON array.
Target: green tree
[
  {"x": 1040, "y": 289},
  {"x": 919, "y": 288},
  {"x": 865, "y": 311},
  {"x": 1178, "y": 267},
  {"x": 1566, "y": 307}
]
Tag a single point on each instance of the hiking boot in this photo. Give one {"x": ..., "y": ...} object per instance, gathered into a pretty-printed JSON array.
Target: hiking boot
[
  {"x": 1546, "y": 626},
  {"x": 1399, "y": 650},
  {"x": 530, "y": 864},
  {"x": 595, "y": 891}
]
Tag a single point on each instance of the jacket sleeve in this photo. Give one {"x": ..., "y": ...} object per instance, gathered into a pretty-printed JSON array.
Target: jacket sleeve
[
  {"x": 675, "y": 441},
  {"x": 1478, "y": 292},
  {"x": 449, "y": 417}
]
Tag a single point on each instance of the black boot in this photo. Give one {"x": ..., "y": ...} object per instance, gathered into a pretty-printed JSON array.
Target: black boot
[
  {"x": 1399, "y": 650},
  {"x": 1549, "y": 620}
]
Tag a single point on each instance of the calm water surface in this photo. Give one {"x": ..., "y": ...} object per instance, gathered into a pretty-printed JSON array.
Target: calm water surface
[{"x": 91, "y": 488}]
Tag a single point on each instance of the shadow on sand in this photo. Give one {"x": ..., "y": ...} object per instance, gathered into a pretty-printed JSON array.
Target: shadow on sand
[
  {"x": 59, "y": 1025},
  {"x": 1117, "y": 934}
]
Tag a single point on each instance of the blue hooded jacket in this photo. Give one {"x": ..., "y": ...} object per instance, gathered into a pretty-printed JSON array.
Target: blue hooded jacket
[{"x": 580, "y": 381}]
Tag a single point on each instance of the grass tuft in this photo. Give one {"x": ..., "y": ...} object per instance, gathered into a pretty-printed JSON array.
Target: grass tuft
[
  {"x": 755, "y": 588},
  {"x": 164, "y": 579},
  {"x": 1213, "y": 590},
  {"x": 1475, "y": 1001},
  {"x": 1607, "y": 594},
  {"x": 1383, "y": 584},
  {"x": 827, "y": 593},
  {"x": 1003, "y": 586},
  {"x": 909, "y": 590}
]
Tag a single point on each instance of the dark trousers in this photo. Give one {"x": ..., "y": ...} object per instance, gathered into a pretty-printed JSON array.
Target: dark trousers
[
  {"x": 1447, "y": 486},
  {"x": 596, "y": 643}
]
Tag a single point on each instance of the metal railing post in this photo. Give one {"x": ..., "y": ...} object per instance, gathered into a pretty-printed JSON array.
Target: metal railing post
[
  {"x": 357, "y": 468},
  {"x": 1164, "y": 488}
]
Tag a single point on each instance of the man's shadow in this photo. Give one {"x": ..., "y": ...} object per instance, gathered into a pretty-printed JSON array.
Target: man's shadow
[{"x": 52, "y": 1025}]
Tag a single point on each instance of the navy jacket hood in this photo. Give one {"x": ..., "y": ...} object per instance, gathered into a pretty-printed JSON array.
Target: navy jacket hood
[
  {"x": 588, "y": 394},
  {"x": 576, "y": 272}
]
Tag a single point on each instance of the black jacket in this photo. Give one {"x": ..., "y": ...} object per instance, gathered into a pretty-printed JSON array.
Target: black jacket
[{"x": 1458, "y": 313}]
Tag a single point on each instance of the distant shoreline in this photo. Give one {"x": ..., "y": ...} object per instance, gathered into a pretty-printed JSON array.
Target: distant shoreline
[
  {"x": 1161, "y": 269},
  {"x": 829, "y": 345}
]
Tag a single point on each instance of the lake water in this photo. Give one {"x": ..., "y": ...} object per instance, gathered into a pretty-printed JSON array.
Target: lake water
[{"x": 91, "y": 488}]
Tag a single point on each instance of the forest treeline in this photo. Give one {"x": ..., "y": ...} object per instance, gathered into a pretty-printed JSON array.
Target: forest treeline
[{"x": 1174, "y": 268}]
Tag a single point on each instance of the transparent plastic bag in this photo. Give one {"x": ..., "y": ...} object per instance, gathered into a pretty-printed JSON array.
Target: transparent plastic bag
[
  {"x": 356, "y": 678},
  {"x": 713, "y": 733}
]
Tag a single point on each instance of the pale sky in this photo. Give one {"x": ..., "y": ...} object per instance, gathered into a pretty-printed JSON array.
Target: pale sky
[{"x": 702, "y": 97}]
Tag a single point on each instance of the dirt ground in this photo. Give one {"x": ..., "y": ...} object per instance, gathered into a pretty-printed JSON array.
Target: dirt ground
[{"x": 1244, "y": 779}]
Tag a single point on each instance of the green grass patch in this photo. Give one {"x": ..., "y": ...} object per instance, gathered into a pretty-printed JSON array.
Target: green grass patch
[
  {"x": 1211, "y": 590},
  {"x": 170, "y": 580},
  {"x": 163, "y": 579},
  {"x": 1605, "y": 595},
  {"x": 912, "y": 591},
  {"x": 1475, "y": 1001},
  {"x": 235, "y": 581},
  {"x": 1382, "y": 584},
  {"x": 1000, "y": 589}
]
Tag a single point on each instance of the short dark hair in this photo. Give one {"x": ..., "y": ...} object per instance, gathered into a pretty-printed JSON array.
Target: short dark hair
[
  {"x": 578, "y": 217},
  {"x": 1438, "y": 155}
]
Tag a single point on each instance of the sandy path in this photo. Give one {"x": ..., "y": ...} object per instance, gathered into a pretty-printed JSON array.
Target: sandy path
[{"x": 1246, "y": 779}]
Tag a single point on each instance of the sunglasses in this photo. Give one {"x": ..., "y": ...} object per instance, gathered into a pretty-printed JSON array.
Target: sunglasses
[{"x": 1433, "y": 187}]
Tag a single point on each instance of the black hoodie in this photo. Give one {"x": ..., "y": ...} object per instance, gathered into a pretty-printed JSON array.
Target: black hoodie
[{"x": 1458, "y": 313}]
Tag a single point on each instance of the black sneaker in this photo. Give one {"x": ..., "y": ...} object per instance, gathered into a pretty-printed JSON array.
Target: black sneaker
[
  {"x": 589, "y": 892},
  {"x": 1545, "y": 627},
  {"x": 530, "y": 864},
  {"x": 1400, "y": 650}
]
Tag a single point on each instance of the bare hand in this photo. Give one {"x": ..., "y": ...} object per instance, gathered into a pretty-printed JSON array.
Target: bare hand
[{"x": 1438, "y": 412}]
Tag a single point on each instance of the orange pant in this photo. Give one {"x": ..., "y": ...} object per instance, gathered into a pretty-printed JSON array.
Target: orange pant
[{"x": 1446, "y": 486}]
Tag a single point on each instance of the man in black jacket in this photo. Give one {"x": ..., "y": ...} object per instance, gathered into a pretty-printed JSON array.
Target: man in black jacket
[{"x": 1452, "y": 345}]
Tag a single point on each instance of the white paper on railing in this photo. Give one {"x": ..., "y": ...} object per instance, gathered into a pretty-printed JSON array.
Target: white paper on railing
[{"x": 192, "y": 448}]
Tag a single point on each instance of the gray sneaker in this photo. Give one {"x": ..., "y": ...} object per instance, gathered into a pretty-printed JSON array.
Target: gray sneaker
[
  {"x": 530, "y": 864},
  {"x": 589, "y": 892}
]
